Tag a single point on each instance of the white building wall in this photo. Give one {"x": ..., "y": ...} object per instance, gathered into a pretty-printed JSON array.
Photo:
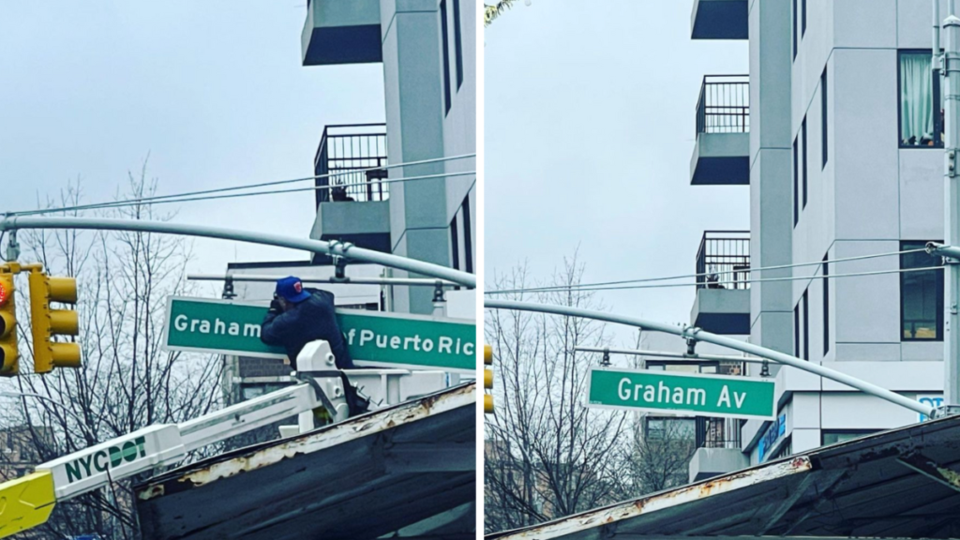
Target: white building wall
[
  {"x": 870, "y": 195},
  {"x": 419, "y": 127}
]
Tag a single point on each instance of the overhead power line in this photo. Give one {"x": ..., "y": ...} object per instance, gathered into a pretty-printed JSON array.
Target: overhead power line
[
  {"x": 120, "y": 204},
  {"x": 705, "y": 274},
  {"x": 180, "y": 196},
  {"x": 759, "y": 280}
]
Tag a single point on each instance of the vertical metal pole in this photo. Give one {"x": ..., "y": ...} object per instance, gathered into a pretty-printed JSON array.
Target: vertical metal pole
[
  {"x": 951, "y": 339},
  {"x": 936, "y": 35}
]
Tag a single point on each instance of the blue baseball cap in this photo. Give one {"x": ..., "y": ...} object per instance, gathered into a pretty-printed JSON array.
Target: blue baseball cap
[{"x": 291, "y": 289}]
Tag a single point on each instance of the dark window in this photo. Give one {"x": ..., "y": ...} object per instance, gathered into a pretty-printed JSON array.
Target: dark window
[
  {"x": 446, "y": 54},
  {"x": 794, "y": 29},
  {"x": 467, "y": 232},
  {"x": 803, "y": 140},
  {"x": 823, "y": 116},
  {"x": 796, "y": 330},
  {"x": 806, "y": 326},
  {"x": 458, "y": 42},
  {"x": 826, "y": 305},
  {"x": 671, "y": 429},
  {"x": 828, "y": 437},
  {"x": 796, "y": 184},
  {"x": 803, "y": 18},
  {"x": 921, "y": 124},
  {"x": 455, "y": 243},
  {"x": 921, "y": 295}
]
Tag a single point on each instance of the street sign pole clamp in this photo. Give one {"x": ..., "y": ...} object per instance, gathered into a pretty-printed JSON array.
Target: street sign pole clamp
[
  {"x": 945, "y": 411},
  {"x": 13, "y": 247}
]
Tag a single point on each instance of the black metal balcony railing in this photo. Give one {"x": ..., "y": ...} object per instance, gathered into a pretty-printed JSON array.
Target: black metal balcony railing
[
  {"x": 718, "y": 432},
  {"x": 724, "y": 105},
  {"x": 723, "y": 260},
  {"x": 348, "y": 151}
]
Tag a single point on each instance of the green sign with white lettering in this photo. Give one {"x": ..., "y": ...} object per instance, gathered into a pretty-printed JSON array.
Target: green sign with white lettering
[
  {"x": 708, "y": 395},
  {"x": 373, "y": 338}
]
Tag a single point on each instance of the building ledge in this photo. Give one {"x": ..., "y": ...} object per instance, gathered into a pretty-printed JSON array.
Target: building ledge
[
  {"x": 722, "y": 311},
  {"x": 709, "y": 462},
  {"x": 719, "y": 19},
  {"x": 721, "y": 159},
  {"x": 338, "y": 32},
  {"x": 364, "y": 224}
]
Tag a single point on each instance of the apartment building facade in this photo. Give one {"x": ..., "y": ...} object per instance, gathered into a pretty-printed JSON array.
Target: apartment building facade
[
  {"x": 427, "y": 50},
  {"x": 837, "y": 130}
]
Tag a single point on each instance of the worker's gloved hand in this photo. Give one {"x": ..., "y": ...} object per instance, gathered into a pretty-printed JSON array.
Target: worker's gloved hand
[{"x": 275, "y": 306}]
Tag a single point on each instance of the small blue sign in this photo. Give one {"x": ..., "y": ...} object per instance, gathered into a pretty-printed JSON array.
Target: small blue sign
[
  {"x": 774, "y": 432},
  {"x": 934, "y": 401}
]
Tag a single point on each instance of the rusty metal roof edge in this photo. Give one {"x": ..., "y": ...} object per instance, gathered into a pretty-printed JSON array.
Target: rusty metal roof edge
[
  {"x": 912, "y": 433},
  {"x": 329, "y": 436},
  {"x": 658, "y": 501}
]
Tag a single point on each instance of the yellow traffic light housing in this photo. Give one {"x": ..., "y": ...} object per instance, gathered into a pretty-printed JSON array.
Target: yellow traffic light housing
[
  {"x": 9, "y": 354},
  {"x": 47, "y": 322},
  {"x": 488, "y": 378}
]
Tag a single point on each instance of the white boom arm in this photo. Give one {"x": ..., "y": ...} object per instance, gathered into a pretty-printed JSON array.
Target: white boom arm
[
  {"x": 30, "y": 499},
  {"x": 166, "y": 444}
]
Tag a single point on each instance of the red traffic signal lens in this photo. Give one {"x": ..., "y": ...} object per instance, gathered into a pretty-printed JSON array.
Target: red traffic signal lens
[{"x": 4, "y": 294}]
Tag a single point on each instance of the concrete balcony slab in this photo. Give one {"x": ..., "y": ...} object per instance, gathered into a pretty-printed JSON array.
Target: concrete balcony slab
[
  {"x": 721, "y": 159},
  {"x": 338, "y": 32},
  {"x": 722, "y": 311},
  {"x": 719, "y": 19},
  {"x": 710, "y": 462}
]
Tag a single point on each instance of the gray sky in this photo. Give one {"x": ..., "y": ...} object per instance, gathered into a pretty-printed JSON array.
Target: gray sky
[
  {"x": 213, "y": 91},
  {"x": 589, "y": 130}
]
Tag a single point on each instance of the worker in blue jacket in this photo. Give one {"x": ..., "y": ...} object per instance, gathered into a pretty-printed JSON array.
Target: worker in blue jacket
[{"x": 298, "y": 316}]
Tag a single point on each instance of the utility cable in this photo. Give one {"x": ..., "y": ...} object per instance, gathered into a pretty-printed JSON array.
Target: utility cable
[
  {"x": 130, "y": 202},
  {"x": 120, "y": 204},
  {"x": 704, "y": 285},
  {"x": 704, "y": 274}
]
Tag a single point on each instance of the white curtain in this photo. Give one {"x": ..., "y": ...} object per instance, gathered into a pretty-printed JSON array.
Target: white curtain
[{"x": 916, "y": 99}]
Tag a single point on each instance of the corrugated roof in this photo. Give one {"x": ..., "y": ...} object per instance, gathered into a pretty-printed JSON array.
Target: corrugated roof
[
  {"x": 409, "y": 466},
  {"x": 899, "y": 483}
]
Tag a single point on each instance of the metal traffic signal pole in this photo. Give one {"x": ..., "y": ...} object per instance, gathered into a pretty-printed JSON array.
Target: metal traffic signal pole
[
  {"x": 337, "y": 249},
  {"x": 696, "y": 334}
]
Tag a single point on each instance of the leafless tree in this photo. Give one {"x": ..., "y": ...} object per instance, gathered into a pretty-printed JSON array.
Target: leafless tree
[
  {"x": 658, "y": 454},
  {"x": 546, "y": 454},
  {"x": 127, "y": 381}
]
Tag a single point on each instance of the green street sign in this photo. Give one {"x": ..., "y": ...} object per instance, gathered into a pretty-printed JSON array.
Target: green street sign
[
  {"x": 373, "y": 338},
  {"x": 708, "y": 395}
]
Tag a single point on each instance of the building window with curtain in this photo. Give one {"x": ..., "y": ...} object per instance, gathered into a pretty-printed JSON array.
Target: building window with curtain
[
  {"x": 921, "y": 295},
  {"x": 921, "y": 123}
]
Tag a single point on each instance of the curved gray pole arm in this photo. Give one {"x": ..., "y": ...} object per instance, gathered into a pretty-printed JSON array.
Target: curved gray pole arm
[
  {"x": 707, "y": 337},
  {"x": 349, "y": 251}
]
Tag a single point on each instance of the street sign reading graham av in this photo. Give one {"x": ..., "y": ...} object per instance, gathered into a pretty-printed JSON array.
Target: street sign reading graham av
[
  {"x": 709, "y": 395},
  {"x": 373, "y": 338}
]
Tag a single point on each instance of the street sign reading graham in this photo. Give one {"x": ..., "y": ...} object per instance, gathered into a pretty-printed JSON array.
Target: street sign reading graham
[
  {"x": 373, "y": 338},
  {"x": 710, "y": 395}
]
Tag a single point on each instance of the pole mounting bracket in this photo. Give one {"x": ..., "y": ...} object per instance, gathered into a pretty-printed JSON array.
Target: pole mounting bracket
[
  {"x": 229, "y": 293},
  {"x": 13, "y": 247}
]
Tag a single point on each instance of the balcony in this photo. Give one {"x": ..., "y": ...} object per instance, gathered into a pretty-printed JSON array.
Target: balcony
[
  {"x": 722, "y": 152},
  {"x": 722, "y": 305},
  {"x": 719, "y": 19},
  {"x": 348, "y": 152},
  {"x": 355, "y": 207},
  {"x": 339, "y": 32}
]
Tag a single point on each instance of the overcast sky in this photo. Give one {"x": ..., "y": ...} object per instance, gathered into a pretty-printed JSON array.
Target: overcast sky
[
  {"x": 589, "y": 130},
  {"x": 213, "y": 91}
]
